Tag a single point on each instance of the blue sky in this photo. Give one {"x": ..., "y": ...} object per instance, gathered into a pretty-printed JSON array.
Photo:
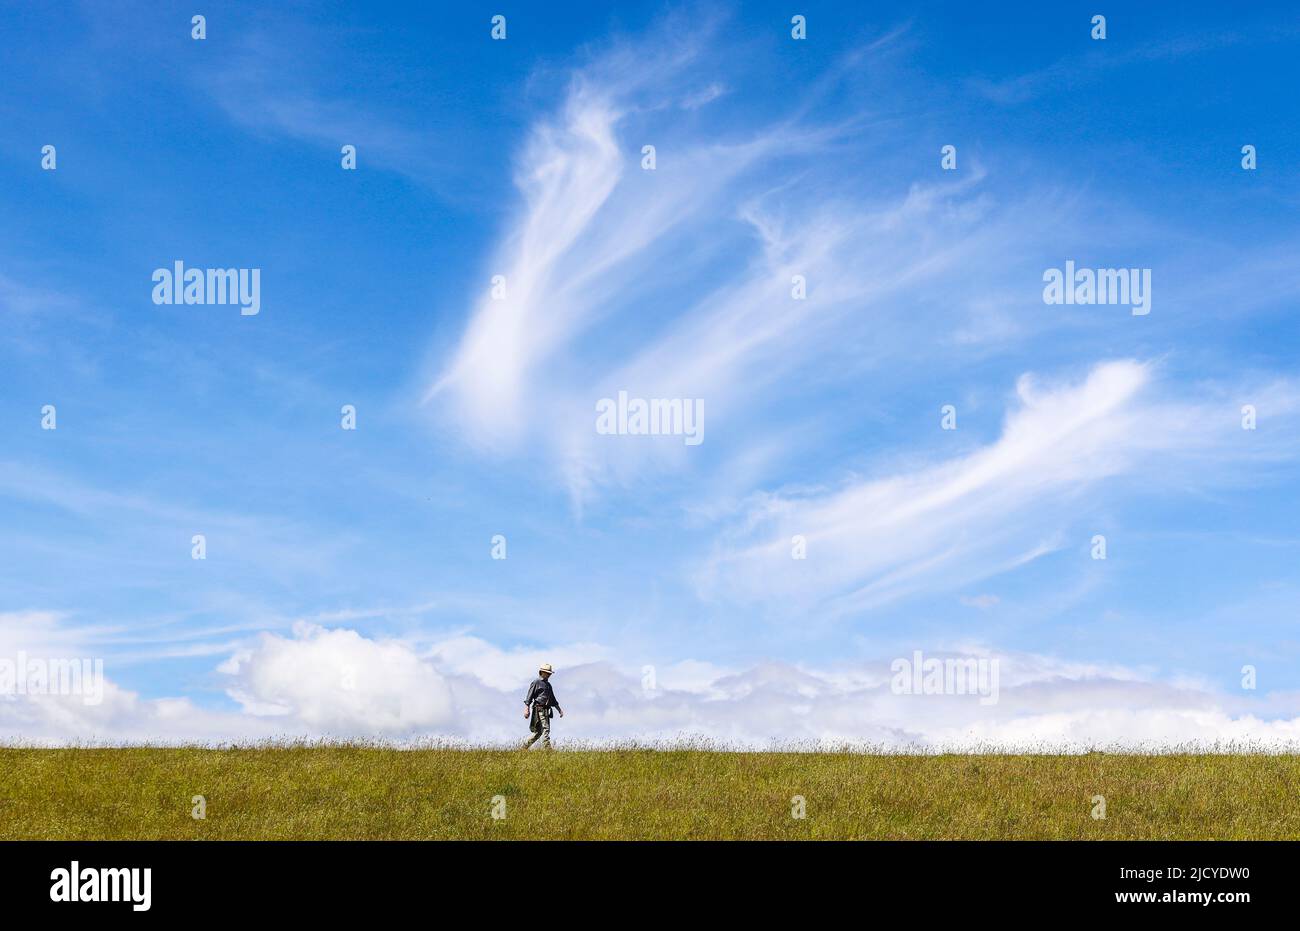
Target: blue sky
[{"x": 370, "y": 550}]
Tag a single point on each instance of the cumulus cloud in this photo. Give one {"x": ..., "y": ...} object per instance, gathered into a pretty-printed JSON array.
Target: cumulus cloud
[{"x": 336, "y": 681}]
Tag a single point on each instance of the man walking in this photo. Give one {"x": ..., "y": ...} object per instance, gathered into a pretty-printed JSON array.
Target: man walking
[{"x": 541, "y": 699}]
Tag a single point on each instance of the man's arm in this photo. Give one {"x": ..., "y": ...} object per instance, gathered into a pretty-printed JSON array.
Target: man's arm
[
  {"x": 528, "y": 699},
  {"x": 555, "y": 703}
]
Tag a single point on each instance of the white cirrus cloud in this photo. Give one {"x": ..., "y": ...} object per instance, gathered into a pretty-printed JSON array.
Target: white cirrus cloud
[
  {"x": 1000, "y": 506},
  {"x": 677, "y": 282}
]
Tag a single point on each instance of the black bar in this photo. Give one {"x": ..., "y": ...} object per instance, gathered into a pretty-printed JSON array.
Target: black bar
[{"x": 328, "y": 879}]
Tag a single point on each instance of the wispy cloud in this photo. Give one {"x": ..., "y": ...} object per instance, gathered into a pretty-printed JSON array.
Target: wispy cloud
[
  {"x": 950, "y": 524},
  {"x": 678, "y": 282},
  {"x": 1079, "y": 69}
]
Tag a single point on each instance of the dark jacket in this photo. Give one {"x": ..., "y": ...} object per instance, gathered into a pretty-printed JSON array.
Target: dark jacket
[{"x": 541, "y": 695}]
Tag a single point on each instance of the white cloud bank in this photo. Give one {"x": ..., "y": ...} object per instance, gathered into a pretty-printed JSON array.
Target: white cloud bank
[{"x": 336, "y": 683}]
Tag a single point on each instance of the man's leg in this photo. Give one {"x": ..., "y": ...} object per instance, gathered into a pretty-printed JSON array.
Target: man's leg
[{"x": 545, "y": 732}]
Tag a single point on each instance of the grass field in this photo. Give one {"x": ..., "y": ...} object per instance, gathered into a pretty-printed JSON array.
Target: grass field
[{"x": 333, "y": 791}]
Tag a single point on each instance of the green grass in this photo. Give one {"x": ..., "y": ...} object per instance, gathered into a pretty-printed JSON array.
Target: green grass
[{"x": 339, "y": 791}]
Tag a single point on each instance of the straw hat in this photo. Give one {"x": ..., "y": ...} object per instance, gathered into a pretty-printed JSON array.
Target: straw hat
[{"x": 547, "y": 668}]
